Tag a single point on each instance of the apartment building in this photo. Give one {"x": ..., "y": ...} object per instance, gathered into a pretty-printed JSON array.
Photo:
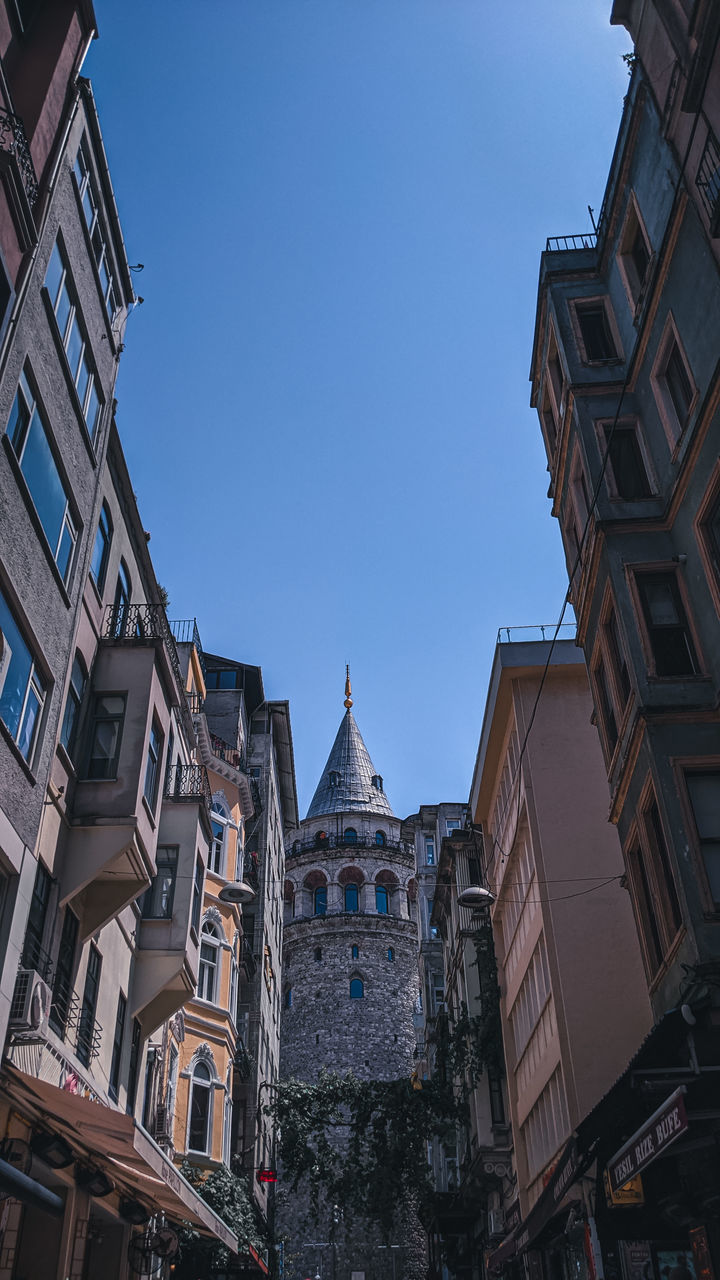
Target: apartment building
[{"x": 625, "y": 378}]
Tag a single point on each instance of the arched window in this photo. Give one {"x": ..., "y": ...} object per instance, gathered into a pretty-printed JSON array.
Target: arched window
[
  {"x": 391, "y": 953},
  {"x": 334, "y": 778},
  {"x": 382, "y": 902},
  {"x": 78, "y": 679},
  {"x": 208, "y": 968},
  {"x": 351, "y": 897},
  {"x": 355, "y": 951},
  {"x": 380, "y": 837},
  {"x": 318, "y": 953},
  {"x": 121, "y": 603},
  {"x": 200, "y": 1108},
  {"x": 320, "y": 900},
  {"x": 350, "y": 835},
  {"x": 218, "y": 818},
  {"x": 377, "y": 782},
  {"x": 101, "y": 548},
  {"x": 357, "y": 989}
]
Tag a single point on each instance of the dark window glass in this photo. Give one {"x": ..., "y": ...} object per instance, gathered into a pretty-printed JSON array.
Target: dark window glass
[
  {"x": 117, "y": 1047},
  {"x": 64, "y": 969},
  {"x": 199, "y": 1109},
  {"x": 380, "y": 837},
  {"x": 86, "y": 1036},
  {"x": 31, "y": 444},
  {"x": 646, "y": 908},
  {"x": 33, "y": 956},
  {"x": 288, "y": 998},
  {"x": 704, "y": 791},
  {"x": 320, "y": 901},
  {"x": 152, "y": 765},
  {"x": 390, "y": 954},
  {"x": 101, "y": 549},
  {"x": 106, "y": 736},
  {"x": 351, "y": 897},
  {"x": 355, "y": 952},
  {"x": 68, "y": 733},
  {"x": 381, "y": 899},
  {"x": 497, "y": 1102},
  {"x": 667, "y": 625},
  {"x": 121, "y": 603},
  {"x": 627, "y": 463},
  {"x": 663, "y": 870},
  {"x": 357, "y": 990},
  {"x": 639, "y": 254},
  {"x": 350, "y": 835},
  {"x": 157, "y": 903},
  {"x": 134, "y": 1065},
  {"x": 617, "y": 655},
  {"x": 595, "y": 330},
  {"x": 197, "y": 896},
  {"x": 607, "y": 712},
  {"x": 22, "y": 696},
  {"x": 474, "y": 871},
  {"x": 678, "y": 384},
  {"x": 318, "y": 953}
]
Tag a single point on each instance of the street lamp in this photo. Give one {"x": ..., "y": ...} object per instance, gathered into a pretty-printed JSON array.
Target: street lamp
[
  {"x": 236, "y": 892},
  {"x": 475, "y": 897}
]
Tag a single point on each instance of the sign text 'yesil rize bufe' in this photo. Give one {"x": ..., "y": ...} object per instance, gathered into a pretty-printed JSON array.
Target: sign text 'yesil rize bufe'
[{"x": 663, "y": 1127}]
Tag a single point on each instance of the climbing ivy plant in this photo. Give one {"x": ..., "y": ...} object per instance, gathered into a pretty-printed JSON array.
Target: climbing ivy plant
[{"x": 228, "y": 1193}]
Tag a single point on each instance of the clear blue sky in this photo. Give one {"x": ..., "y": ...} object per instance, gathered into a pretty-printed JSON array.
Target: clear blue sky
[{"x": 340, "y": 205}]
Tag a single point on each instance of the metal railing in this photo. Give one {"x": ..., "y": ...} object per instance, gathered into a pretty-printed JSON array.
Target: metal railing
[
  {"x": 223, "y": 751},
  {"x": 141, "y": 623},
  {"x": 196, "y": 704},
  {"x": 708, "y": 181},
  {"x": 188, "y": 782},
  {"x": 13, "y": 140},
  {"x": 347, "y": 842},
  {"x": 565, "y": 244},
  {"x": 185, "y": 631},
  {"x": 542, "y": 631},
  {"x": 66, "y": 1016},
  {"x": 247, "y": 959}
]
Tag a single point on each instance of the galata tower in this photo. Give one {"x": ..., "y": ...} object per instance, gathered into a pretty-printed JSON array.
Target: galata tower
[{"x": 350, "y": 983}]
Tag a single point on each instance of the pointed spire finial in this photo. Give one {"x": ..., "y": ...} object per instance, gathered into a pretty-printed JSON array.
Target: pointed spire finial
[{"x": 348, "y": 688}]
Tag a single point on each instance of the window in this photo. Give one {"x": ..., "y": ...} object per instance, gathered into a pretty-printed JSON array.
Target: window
[
  {"x": 555, "y": 382},
  {"x": 530, "y": 1000},
  {"x": 334, "y": 778},
  {"x": 321, "y": 839},
  {"x": 121, "y": 603},
  {"x": 708, "y": 181},
  {"x": 351, "y": 897},
  {"x": 288, "y": 998},
  {"x": 234, "y": 981},
  {"x": 350, "y": 835},
  {"x": 218, "y": 846},
  {"x": 628, "y": 477},
  {"x": 382, "y": 904},
  {"x": 23, "y": 690},
  {"x": 668, "y": 632},
  {"x": 430, "y": 852},
  {"x": 704, "y": 791},
  {"x": 88, "y": 197},
  {"x": 200, "y": 1108},
  {"x": 157, "y": 902},
  {"x": 547, "y": 418},
  {"x": 78, "y": 678},
  {"x": 85, "y": 1046},
  {"x": 673, "y": 384},
  {"x": 209, "y": 963},
  {"x": 117, "y": 1047},
  {"x": 33, "y": 954},
  {"x": 597, "y": 343},
  {"x": 74, "y": 340},
  {"x": 497, "y": 1102},
  {"x": 101, "y": 549},
  {"x": 547, "y": 1124},
  {"x": 380, "y": 838},
  {"x": 653, "y": 887},
  {"x": 634, "y": 255},
  {"x": 390, "y": 953},
  {"x": 317, "y": 954},
  {"x": 106, "y": 735},
  {"x": 320, "y": 901},
  {"x": 30, "y": 441},
  {"x": 355, "y": 951},
  {"x": 357, "y": 989},
  {"x": 64, "y": 968},
  {"x": 377, "y": 782},
  {"x": 452, "y": 824},
  {"x": 135, "y": 1052},
  {"x": 152, "y": 765},
  {"x": 616, "y": 651},
  {"x": 197, "y": 895},
  {"x": 605, "y": 705}
]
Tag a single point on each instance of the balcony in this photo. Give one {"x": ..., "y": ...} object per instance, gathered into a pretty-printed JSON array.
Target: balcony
[
  {"x": 227, "y": 761},
  {"x": 144, "y": 624},
  {"x": 569, "y": 244},
  {"x": 223, "y": 751},
  {"x": 185, "y": 631},
  {"x": 188, "y": 782},
  {"x": 18, "y": 175},
  {"x": 318, "y": 844}
]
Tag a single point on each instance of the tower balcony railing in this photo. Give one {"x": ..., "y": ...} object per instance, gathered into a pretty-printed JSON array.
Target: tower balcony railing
[
  {"x": 14, "y": 143},
  {"x": 320, "y": 844}
]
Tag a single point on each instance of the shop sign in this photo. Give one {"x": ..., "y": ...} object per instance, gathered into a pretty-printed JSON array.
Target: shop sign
[
  {"x": 636, "y": 1260},
  {"x": 628, "y": 1196},
  {"x": 655, "y": 1136}
]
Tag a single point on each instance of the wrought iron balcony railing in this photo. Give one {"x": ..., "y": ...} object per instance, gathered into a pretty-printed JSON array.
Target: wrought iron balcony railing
[
  {"x": 185, "y": 631},
  {"x": 223, "y": 751},
  {"x": 195, "y": 704},
  {"x": 319, "y": 843},
  {"x": 247, "y": 959},
  {"x": 188, "y": 782},
  {"x": 13, "y": 141},
  {"x": 141, "y": 623},
  {"x": 67, "y": 1017},
  {"x": 708, "y": 181}
]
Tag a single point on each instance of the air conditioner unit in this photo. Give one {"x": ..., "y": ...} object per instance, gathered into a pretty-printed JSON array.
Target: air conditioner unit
[
  {"x": 30, "y": 1007},
  {"x": 496, "y": 1222}
]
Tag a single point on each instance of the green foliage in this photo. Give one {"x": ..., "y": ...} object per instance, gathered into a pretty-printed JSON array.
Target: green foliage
[{"x": 228, "y": 1194}]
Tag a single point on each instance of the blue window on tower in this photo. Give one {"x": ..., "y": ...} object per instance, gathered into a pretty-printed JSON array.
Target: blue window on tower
[
  {"x": 357, "y": 989},
  {"x": 382, "y": 903},
  {"x": 320, "y": 901},
  {"x": 351, "y": 897},
  {"x": 350, "y": 835}
]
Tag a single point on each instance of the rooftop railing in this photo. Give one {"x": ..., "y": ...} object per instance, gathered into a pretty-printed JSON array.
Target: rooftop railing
[
  {"x": 542, "y": 631},
  {"x": 565, "y": 244},
  {"x": 185, "y": 631},
  {"x": 13, "y": 141}
]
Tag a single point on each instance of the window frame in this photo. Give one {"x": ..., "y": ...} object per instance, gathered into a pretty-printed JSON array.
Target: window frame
[
  {"x": 648, "y": 884},
  {"x": 320, "y": 889},
  {"x": 610, "y": 652},
  {"x": 347, "y": 889},
  {"x": 380, "y": 891},
  {"x": 582, "y": 305},
  {"x": 85, "y": 358},
  {"x": 157, "y": 901},
  {"x": 37, "y": 685},
  {"x": 683, "y": 768},
  {"x": 209, "y": 967},
  {"x": 153, "y": 764},
  {"x": 675, "y": 429},
  {"x": 117, "y": 1049},
  {"x": 628, "y": 423},
  {"x": 207, "y": 1086},
  {"x": 86, "y": 182},
  {"x": 355, "y": 982},
  {"x": 708, "y": 541},
  {"x": 663, "y": 569},
  {"x": 70, "y": 724},
  {"x": 429, "y": 851},
  {"x": 104, "y": 534},
  {"x": 633, "y": 224},
  {"x": 112, "y": 762},
  {"x": 17, "y": 436}
]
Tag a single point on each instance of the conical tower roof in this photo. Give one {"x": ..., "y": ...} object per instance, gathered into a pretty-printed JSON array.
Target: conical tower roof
[{"x": 351, "y": 788}]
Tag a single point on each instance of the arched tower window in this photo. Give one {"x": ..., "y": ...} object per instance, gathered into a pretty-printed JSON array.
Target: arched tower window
[
  {"x": 318, "y": 953},
  {"x": 351, "y": 897},
  {"x": 200, "y": 1108},
  {"x": 357, "y": 989},
  {"x": 350, "y": 835},
  {"x": 209, "y": 963},
  {"x": 320, "y": 900},
  {"x": 377, "y": 782},
  {"x": 380, "y": 838},
  {"x": 382, "y": 900}
]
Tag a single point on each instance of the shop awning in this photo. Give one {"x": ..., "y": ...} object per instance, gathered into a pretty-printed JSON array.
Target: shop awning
[
  {"x": 653, "y": 1137},
  {"x": 113, "y": 1141}
]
